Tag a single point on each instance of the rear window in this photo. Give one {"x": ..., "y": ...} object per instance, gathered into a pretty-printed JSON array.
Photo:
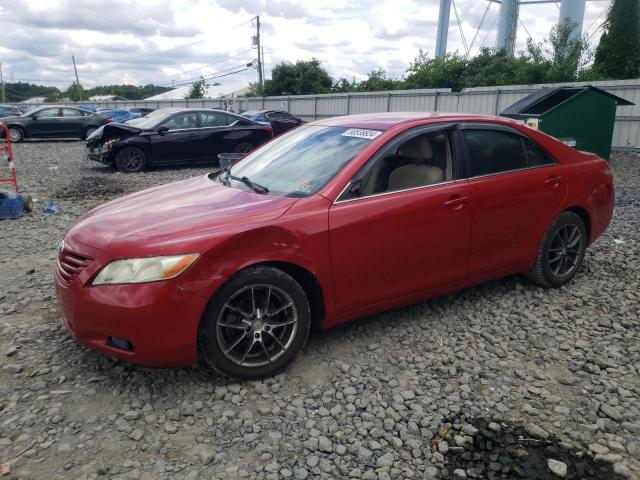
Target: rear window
[{"x": 494, "y": 151}]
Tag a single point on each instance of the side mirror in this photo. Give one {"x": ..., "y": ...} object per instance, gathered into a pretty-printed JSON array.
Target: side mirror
[
  {"x": 34, "y": 117},
  {"x": 163, "y": 129}
]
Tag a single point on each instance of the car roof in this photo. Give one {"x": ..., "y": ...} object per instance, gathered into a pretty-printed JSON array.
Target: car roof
[{"x": 386, "y": 120}]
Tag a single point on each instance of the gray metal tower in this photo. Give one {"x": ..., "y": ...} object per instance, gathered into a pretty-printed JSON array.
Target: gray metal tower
[{"x": 573, "y": 10}]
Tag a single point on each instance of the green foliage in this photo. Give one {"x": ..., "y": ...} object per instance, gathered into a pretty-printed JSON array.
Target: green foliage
[
  {"x": 425, "y": 72},
  {"x": 300, "y": 78},
  {"x": 17, "y": 92},
  {"x": 75, "y": 93},
  {"x": 618, "y": 53},
  {"x": 130, "y": 92},
  {"x": 198, "y": 89}
]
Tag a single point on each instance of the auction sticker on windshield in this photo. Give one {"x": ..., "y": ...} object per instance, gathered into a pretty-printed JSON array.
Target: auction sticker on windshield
[{"x": 361, "y": 133}]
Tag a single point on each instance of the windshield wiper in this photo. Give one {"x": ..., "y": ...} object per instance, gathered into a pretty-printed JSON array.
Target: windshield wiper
[{"x": 256, "y": 187}]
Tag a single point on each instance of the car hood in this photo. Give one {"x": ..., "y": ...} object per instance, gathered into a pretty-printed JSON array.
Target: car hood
[
  {"x": 112, "y": 130},
  {"x": 161, "y": 220}
]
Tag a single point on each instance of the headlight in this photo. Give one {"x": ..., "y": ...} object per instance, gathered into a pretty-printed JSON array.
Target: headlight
[{"x": 140, "y": 270}]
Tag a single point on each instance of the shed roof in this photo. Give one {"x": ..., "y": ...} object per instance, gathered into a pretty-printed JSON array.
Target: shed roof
[{"x": 563, "y": 93}]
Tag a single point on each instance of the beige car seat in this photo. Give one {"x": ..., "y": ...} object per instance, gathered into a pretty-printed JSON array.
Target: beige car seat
[{"x": 410, "y": 176}]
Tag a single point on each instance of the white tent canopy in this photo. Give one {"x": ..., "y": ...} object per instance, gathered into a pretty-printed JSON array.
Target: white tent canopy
[{"x": 213, "y": 91}]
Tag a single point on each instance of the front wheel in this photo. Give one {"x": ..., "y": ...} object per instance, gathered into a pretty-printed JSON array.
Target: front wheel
[
  {"x": 255, "y": 324},
  {"x": 561, "y": 251},
  {"x": 131, "y": 160},
  {"x": 16, "y": 134}
]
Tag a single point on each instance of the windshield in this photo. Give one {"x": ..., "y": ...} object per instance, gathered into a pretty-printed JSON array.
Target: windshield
[
  {"x": 253, "y": 115},
  {"x": 153, "y": 119},
  {"x": 302, "y": 161}
]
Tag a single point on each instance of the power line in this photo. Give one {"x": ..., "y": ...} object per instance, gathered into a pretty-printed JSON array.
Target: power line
[
  {"x": 480, "y": 25},
  {"x": 490, "y": 30},
  {"x": 208, "y": 65},
  {"x": 219, "y": 74},
  {"x": 464, "y": 40}
]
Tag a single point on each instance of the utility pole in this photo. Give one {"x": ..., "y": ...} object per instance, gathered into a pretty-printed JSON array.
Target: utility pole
[
  {"x": 256, "y": 42},
  {"x": 2, "y": 98},
  {"x": 75, "y": 69}
]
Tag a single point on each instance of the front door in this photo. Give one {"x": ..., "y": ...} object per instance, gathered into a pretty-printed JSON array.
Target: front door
[
  {"x": 45, "y": 124},
  {"x": 517, "y": 190},
  {"x": 403, "y": 226},
  {"x": 181, "y": 143}
]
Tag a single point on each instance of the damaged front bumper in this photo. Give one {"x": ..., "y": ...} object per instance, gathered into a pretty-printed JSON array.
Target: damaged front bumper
[{"x": 100, "y": 153}]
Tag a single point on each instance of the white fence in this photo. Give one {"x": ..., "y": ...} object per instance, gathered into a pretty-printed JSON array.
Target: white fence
[{"x": 481, "y": 100}]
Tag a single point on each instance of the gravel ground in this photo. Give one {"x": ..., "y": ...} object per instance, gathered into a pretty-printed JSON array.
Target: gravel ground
[{"x": 505, "y": 380}]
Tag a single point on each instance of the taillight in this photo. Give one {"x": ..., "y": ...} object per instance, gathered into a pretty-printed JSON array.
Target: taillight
[
  {"x": 108, "y": 119},
  {"x": 270, "y": 130}
]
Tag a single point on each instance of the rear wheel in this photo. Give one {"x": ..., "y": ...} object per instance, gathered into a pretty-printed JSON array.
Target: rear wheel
[
  {"x": 244, "y": 147},
  {"x": 131, "y": 160},
  {"x": 561, "y": 251},
  {"x": 88, "y": 132},
  {"x": 255, "y": 325},
  {"x": 16, "y": 134}
]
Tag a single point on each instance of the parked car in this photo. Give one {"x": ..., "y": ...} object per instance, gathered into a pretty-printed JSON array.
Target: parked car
[
  {"x": 118, "y": 115},
  {"x": 174, "y": 136},
  {"x": 144, "y": 111},
  {"x": 54, "y": 122},
  {"x": 9, "y": 111},
  {"x": 337, "y": 219},
  {"x": 279, "y": 121}
]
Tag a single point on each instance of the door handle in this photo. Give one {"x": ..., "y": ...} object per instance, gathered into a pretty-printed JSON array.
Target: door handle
[
  {"x": 194, "y": 135},
  {"x": 554, "y": 180},
  {"x": 456, "y": 201}
]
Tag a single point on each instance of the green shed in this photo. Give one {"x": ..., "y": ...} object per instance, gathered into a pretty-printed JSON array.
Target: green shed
[{"x": 582, "y": 117}]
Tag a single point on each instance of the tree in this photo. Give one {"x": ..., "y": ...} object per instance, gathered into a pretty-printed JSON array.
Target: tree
[
  {"x": 426, "y": 72},
  {"x": 198, "y": 89},
  {"x": 300, "y": 78},
  {"x": 618, "y": 52},
  {"x": 570, "y": 55},
  {"x": 75, "y": 92}
]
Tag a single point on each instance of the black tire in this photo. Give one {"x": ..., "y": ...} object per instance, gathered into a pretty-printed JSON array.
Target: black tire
[
  {"x": 131, "y": 160},
  {"x": 88, "y": 131},
  {"x": 561, "y": 251},
  {"x": 16, "y": 134},
  {"x": 243, "y": 147},
  {"x": 28, "y": 202},
  {"x": 267, "y": 341}
]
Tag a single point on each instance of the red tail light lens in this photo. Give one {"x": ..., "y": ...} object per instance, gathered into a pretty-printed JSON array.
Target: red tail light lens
[{"x": 108, "y": 119}]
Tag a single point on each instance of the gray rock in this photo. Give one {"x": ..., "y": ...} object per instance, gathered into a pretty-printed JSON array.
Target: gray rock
[
  {"x": 558, "y": 468},
  {"x": 611, "y": 412},
  {"x": 536, "y": 431},
  {"x": 385, "y": 460}
]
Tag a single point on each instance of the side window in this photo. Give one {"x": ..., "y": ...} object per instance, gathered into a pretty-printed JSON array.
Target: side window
[
  {"x": 213, "y": 119},
  {"x": 70, "y": 112},
  {"x": 536, "y": 156},
  {"x": 494, "y": 151},
  {"x": 425, "y": 159},
  {"x": 47, "y": 113},
  {"x": 184, "y": 120}
]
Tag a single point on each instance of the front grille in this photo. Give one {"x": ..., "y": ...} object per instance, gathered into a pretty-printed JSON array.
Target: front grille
[{"x": 71, "y": 264}]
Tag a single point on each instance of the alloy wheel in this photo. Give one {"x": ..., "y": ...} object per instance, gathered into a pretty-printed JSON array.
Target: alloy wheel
[
  {"x": 565, "y": 250},
  {"x": 257, "y": 325},
  {"x": 15, "y": 134},
  {"x": 132, "y": 160}
]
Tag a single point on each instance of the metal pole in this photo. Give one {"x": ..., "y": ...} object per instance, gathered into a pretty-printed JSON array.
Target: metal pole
[
  {"x": 507, "y": 27},
  {"x": 260, "y": 82},
  {"x": 573, "y": 11},
  {"x": 443, "y": 28}
]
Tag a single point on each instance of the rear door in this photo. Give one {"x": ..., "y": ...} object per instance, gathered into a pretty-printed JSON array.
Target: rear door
[
  {"x": 45, "y": 123},
  {"x": 181, "y": 143},
  {"x": 403, "y": 224},
  {"x": 215, "y": 136},
  {"x": 72, "y": 122},
  {"x": 517, "y": 189}
]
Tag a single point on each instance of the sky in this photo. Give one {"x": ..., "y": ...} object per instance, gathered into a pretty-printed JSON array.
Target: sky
[{"x": 170, "y": 42}]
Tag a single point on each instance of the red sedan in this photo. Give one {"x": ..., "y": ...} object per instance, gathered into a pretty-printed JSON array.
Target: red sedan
[{"x": 334, "y": 220}]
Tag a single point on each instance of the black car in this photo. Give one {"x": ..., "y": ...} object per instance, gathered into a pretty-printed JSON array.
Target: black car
[
  {"x": 53, "y": 122},
  {"x": 172, "y": 136},
  {"x": 279, "y": 121}
]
